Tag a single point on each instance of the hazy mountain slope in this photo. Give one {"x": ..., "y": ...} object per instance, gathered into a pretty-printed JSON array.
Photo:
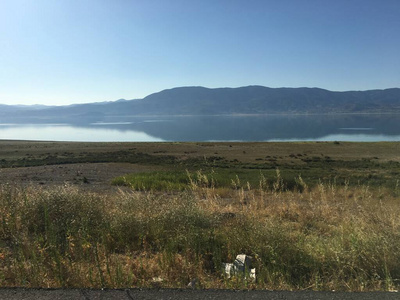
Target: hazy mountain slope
[
  {"x": 257, "y": 99},
  {"x": 205, "y": 101}
]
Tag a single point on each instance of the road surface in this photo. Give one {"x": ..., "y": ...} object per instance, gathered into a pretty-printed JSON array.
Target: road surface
[{"x": 180, "y": 294}]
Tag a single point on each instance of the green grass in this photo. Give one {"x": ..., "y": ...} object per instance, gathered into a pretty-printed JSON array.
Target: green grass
[
  {"x": 154, "y": 181},
  {"x": 220, "y": 178},
  {"x": 244, "y": 177},
  {"x": 101, "y": 157}
]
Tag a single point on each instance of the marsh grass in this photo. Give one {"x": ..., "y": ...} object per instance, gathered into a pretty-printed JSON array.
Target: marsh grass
[
  {"x": 324, "y": 237},
  {"x": 180, "y": 180}
]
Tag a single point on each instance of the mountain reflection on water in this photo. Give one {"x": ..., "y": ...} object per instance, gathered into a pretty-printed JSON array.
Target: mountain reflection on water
[{"x": 215, "y": 128}]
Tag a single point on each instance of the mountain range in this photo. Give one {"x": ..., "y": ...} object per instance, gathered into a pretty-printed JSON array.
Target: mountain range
[{"x": 218, "y": 101}]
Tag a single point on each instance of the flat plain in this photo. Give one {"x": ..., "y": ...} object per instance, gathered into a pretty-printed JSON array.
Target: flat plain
[{"x": 47, "y": 163}]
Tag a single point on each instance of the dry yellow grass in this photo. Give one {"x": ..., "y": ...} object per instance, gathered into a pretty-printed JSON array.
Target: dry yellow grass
[{"x": 324, "y": 238}]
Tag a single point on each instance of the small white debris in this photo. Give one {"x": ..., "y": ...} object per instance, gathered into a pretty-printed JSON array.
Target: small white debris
[
  {"x": 242, "y": 263},
  {"x": 157, "y": 279},
  {"x": 240, "y": 267},
  {"x": 228, "y": 269},
  {"x": 252, "y": 274},
  {"x": 192, "y": 284}
]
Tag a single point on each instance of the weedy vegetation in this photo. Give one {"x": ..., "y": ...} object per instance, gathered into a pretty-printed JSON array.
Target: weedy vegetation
[
  {"x": 321, "y": 237},
  {"x": 320, "y": 216}
]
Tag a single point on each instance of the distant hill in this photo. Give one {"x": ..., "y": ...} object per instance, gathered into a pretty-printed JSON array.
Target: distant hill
[
  {"x": 263, "y": 100},
  {"x": 219, "y": 101}
]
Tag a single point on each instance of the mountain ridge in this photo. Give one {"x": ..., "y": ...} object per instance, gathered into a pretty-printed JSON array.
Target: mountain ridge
[{"x": 198, "y": 100}]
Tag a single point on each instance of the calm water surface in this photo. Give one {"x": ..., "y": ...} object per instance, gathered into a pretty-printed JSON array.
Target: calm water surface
[{"x": 214, "y": 128}]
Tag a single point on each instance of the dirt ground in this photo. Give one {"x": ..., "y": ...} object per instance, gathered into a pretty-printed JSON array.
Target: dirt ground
[{"x": 93, "y": 177}]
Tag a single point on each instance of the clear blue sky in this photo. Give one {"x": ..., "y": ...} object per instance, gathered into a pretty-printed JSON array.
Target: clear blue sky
[{"x": 70, "y": 51}]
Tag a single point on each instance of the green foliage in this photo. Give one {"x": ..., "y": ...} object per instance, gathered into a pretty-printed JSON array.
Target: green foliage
[
  {"x": 157, "y": 181},
  {"x": 221, "y": 178}
]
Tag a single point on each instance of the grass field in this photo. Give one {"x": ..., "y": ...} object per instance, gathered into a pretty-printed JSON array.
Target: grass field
[
  {"x": 373, "y": 164},
  {"x": 321, "y": 216}
]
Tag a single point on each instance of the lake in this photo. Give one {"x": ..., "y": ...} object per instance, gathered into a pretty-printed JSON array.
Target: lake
[{"x": 349, "y": 127}]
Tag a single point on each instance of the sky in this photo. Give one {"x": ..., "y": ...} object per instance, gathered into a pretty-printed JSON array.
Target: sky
[{"x": 60, "y": 52}]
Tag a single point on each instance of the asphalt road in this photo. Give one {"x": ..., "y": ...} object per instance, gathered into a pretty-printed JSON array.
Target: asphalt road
[{"x": 180, "y": 294}]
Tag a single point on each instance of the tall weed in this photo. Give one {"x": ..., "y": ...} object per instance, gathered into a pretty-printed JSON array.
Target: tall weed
[{"x": 323, "y": 237}]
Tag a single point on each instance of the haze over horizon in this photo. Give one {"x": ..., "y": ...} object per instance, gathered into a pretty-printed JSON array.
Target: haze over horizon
[{"x": 69, "y": 51}]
